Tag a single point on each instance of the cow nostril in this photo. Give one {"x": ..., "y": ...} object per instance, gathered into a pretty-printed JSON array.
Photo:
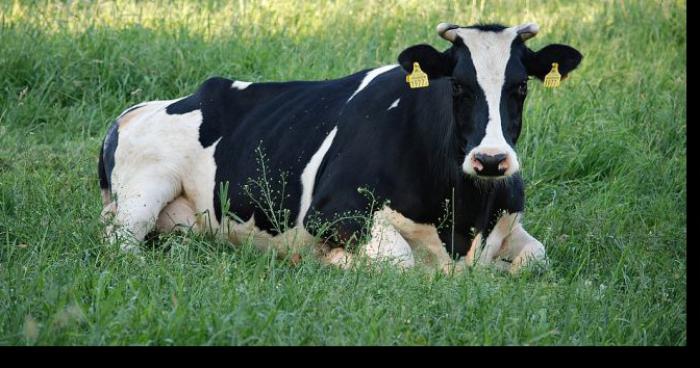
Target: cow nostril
[
  {"x": 490, "y": 159},
  {"x": 490, "y": 165}
]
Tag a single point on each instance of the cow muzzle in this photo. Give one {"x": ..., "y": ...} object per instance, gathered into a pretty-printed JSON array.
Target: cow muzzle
[{"x": 490, "y": 163}]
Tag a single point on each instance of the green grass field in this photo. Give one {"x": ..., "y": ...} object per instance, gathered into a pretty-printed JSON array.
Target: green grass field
[{"x": 604, "y": 159}]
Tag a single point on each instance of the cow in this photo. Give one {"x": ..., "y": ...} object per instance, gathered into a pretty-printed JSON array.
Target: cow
[{"x": 364, "y": 160}]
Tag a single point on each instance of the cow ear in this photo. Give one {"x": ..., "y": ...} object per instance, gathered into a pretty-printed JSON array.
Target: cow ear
[
  {"x": 432, "y": 62},
  {"x": 539, "y": 63}
]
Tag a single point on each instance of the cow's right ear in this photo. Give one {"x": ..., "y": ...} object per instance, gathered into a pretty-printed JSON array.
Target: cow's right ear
[{"x": 432, "y": 62}]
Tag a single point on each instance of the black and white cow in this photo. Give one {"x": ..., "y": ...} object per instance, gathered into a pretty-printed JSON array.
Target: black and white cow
[{"x": 439, "y": 160}]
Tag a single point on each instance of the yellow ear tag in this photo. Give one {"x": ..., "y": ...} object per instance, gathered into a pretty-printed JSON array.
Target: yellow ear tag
[
  {"x": 553, "y": 78},
  {"x": 417, "y": 78}
]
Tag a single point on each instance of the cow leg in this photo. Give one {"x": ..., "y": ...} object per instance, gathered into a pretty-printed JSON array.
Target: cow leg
[
  {"x": 494, "y": 241},
  {"x": 469, "y": 259},
  {"x": 107, "y": 218},
  {"x": 508, "y": 241},
  {"x": 386, "y": 242},
  {"x": 139, "y": 202},
  {"x": 421, "y": 238},
  {"x": 522, "y": 249}
]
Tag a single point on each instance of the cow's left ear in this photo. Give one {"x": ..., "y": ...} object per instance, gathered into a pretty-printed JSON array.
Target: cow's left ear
[
  {"x": 432, "y": 62},
  {"x": 539, "y": 63}
]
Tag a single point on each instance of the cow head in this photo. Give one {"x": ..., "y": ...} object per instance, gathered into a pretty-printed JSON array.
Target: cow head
[{"x": 490, "y": 66}]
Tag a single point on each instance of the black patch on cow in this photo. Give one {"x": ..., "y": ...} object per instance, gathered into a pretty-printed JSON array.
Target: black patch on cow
[
  {"x": 513, "y": 93},
  {"x": 210, "y": 99},
  {"x": 109, "y": 146},
  {"x": 183, "y": 106},
  {"x": 106, "y": 162},
  {"x": 104, "y": 183}
]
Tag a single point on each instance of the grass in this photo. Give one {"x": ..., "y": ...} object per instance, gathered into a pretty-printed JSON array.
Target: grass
[{"x": 603, "y": 158}]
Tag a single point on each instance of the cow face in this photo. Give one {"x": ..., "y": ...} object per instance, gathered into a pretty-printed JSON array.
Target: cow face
[{"x": 490, "y": 66}]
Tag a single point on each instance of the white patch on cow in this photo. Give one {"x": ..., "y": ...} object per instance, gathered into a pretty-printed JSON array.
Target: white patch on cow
[
  {"x": 308, "y": 176},
  {"x": 241, "y": 85},
  {"x": 490, "y": 52},
  {"x": 394, "y": 104},
  {"x": 200, "y": 181},
  {"x": 374, "y": 73},
  {"x": 142, "y": 111}
]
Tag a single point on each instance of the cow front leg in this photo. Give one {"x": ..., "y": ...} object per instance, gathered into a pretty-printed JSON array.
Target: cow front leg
[
  {"x": 522, "y": 249},
  {"x": 507, "y": 242},
  {"x": 420, "y": 238}
]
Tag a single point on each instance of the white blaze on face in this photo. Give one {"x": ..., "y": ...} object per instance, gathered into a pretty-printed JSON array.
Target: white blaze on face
[{"x": 490, "y": 52}]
